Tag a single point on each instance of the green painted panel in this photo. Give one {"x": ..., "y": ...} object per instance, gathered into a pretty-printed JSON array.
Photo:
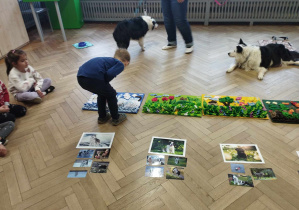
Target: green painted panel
[
  {"x": 71, "y": 14},
  {"x": 38, "y": 0}
]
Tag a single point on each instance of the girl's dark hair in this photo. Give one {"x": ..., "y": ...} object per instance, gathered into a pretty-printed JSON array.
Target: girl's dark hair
[{"x": 12, "y": 57}]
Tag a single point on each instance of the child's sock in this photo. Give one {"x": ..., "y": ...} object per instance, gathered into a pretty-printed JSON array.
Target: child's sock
[{"x": 50, "y": 89}]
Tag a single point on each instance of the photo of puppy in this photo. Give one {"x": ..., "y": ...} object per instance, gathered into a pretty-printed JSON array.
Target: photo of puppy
[
  {"x": 241, "y": 153},
  {"x": 262, "y": 58},
  {"x": 135, "y": 29}
]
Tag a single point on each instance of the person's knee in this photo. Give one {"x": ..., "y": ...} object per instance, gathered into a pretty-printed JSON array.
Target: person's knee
[
  {"x": 11, "y": 124},
  {"x": 181, "y": 23},
  {"x": 47, "y": 83}
]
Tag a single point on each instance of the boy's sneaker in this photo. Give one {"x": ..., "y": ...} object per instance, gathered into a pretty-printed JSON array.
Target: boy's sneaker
[
  {"x": 122, "y": 117},
  {"x": 4, "y": 141},
  {"x": 37, "y": 100},
  {"x": 189, "y": 50},
  {"x": 105, "y": 119},
  {"x": 169, "y": 46}
]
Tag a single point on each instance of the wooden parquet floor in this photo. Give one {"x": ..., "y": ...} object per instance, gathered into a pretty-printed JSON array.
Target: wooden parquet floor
[{"x": 42, "y": 147}]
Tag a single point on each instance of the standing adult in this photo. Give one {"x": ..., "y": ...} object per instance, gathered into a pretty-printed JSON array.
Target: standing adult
[{"x": 175, "y": 14}]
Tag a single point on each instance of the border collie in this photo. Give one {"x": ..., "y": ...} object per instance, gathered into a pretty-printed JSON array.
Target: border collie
[
  {"x": 261, "y": 58},
  {"x": 135, "y": 28}
]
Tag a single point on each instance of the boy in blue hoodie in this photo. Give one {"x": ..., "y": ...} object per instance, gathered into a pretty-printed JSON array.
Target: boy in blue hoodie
[{"x": 95, "y": 75}]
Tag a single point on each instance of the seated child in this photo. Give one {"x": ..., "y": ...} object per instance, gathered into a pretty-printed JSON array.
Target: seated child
[
  {"x": 25, "y": 83},
  {"x": 95, "y": 75},
  {"x": 5, "y": 129},
  {"x": 9, "y": 112}
]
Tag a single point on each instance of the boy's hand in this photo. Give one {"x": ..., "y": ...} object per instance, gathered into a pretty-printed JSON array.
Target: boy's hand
[
  {"x": 40, "y": 94},
  {"x": 4, "y": 108}
]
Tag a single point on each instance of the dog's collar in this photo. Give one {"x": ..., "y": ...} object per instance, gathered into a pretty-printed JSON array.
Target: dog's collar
[{"x": 245, "y": 60}]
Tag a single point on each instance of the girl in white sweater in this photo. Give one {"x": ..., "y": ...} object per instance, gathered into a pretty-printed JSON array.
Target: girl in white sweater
[{"x": 25, "y": 83}]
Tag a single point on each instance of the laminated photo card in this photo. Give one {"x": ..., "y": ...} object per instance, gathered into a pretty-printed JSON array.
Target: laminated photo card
[
  {"x": 237, "y": 168},
  {"x": 263, "y": 174},
  {"x": 168, "y": 146},
  {"x": 85, "y": 153},
  {"x": 77, "y": 174},
  {"x": 155, "y": 160},
  {"x": 96, "y": 140},
  {"x": 240, "y": 180},
  {"x": 83, "y": 163},
  {"x": 177, "y": 161},
  {"x": 99, "y": 167},
  {"x": 151, "y": 171},
  {"x": 241, "y": 153},
  {"x": 175, "y": 173},
  {"x": 102, "y": 154}
]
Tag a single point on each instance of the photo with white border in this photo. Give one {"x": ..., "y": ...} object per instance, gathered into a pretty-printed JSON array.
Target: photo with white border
[
  {"x": 168, "y": 146},
  {"x": 95, "y": 140},
  {"x": 241, "y": 153}
]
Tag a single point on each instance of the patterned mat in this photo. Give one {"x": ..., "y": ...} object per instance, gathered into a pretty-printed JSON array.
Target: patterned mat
[
  {"x": 234, "y": 106},
  {"x": 183, "y": 105},
  {"x": 127, "y": 102},
  {"x": 283, "y": 111}
]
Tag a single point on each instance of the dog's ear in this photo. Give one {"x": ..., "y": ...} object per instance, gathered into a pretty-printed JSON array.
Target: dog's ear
[
  {"x": 239, "y": 49},
  {"x": 241, "y": 42}
]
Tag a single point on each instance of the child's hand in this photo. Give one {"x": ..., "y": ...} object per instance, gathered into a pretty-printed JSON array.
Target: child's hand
[
  {"x": 3, "y": 150},
  {"x": 4, "y": 108},
  {"x": 40, "y": 94}
]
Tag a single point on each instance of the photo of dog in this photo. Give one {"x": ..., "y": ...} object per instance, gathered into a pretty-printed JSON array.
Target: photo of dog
[
  {"x": 135, "y": 29},
  {"x": 241, "y": 152},
  {"x": 240, "y": 180},
  {"x": 175, "y": 173},
  {"x": 263, "y": 174},
  {"x": 261, "y": 58},
  {"x": 177, "y": 161}
]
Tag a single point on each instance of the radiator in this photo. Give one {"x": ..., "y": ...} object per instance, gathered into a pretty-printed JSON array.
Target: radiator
[{"x": 198, "y": 10}]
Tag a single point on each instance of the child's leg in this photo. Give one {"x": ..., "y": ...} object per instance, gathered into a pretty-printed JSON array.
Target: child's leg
[
  {"x": 17, "y": 110},
  {"x": 46, "y": 87},
  {"x": 101, "y": 106},
  {"x": 112, "y": 104},
  {"x": 46, "y": 84},
  {"x": 26, "y": 96},
  {"x": 110, "y": 95},
  {"x": 6, "y": 128},
  {"x": 5, "y": 117}
]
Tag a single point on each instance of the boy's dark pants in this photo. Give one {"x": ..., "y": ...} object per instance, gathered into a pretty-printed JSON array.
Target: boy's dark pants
[{"x": 105, "y": 93}]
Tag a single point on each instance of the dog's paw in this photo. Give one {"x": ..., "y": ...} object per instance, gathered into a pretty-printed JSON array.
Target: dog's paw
[
  {"x": 229, "y": 70},
  {"x": 247, "y": 69},
  {"x": 260, "y": 76}
]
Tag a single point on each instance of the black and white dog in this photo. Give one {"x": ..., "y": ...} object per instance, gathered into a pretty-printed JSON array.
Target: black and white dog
[
  {"x": 261, "y": 58},
  {"x": 135, "y": 28}
]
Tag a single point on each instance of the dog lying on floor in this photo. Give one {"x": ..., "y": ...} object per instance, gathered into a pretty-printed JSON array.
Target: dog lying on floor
[
  {"x": 262, "y": 58},
  {"x": 135, "y": 28}
]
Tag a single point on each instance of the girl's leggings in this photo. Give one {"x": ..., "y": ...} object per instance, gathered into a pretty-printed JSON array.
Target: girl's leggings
[{"x": 31, "y": 94}]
